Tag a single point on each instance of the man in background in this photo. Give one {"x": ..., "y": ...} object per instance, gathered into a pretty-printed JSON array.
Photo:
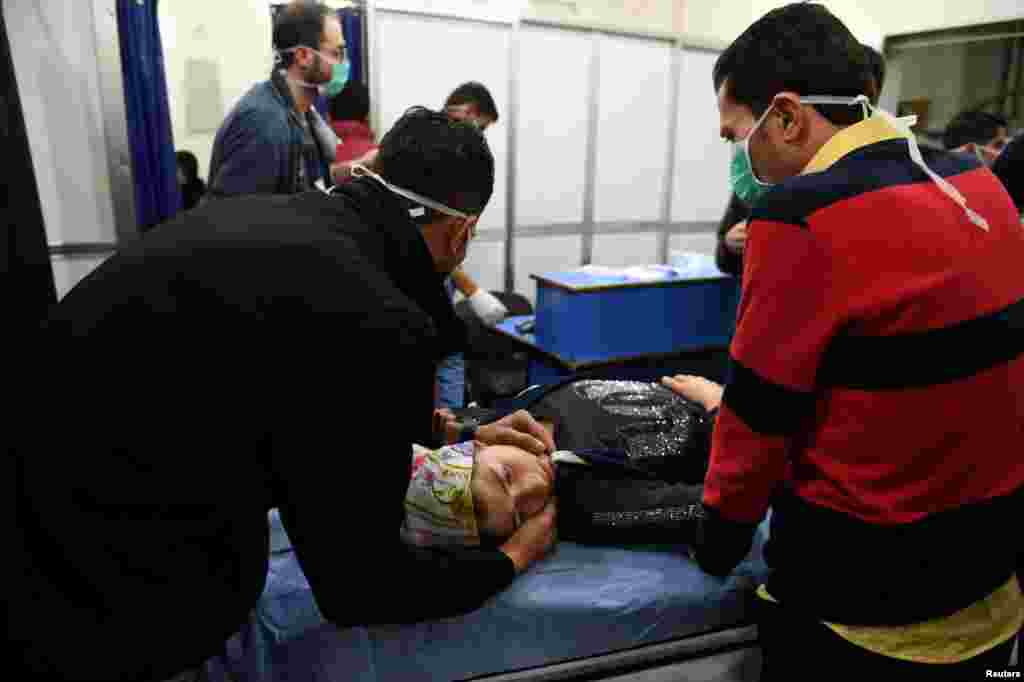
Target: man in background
[
  {"x": 979, "y": 133},
  {"x": 470, "y": 103},
  {"x": 274, "y": 141}
]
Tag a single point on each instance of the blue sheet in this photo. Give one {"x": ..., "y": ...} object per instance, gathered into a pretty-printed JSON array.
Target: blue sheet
[{"x": 580, "y": 601}]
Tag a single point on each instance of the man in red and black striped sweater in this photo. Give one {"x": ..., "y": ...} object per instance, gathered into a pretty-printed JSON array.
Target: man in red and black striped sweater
[{"x": 876, "y": 396}]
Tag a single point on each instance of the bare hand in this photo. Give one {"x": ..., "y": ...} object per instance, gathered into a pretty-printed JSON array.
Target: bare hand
[
  {"x": 371, "y": 159},
  {"x": 698, "y": 389},
  {"x": 519, "y": 429},
  {"x": 444, "y": 422},
  {"x": 736, "y": 237},
  {"x": 342, "y": 170},
  {"x": 534, "y": 539}
]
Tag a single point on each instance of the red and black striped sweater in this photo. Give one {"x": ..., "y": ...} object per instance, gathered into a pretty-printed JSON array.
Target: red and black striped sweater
[{"x": 876, "y": 398}]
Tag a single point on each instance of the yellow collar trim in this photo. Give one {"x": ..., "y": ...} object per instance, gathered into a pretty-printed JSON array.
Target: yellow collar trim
[{"x": 851, "y": 138}]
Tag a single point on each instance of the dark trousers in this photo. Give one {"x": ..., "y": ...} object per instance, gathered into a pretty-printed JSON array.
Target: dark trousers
[{"x": 794, "y": 647}]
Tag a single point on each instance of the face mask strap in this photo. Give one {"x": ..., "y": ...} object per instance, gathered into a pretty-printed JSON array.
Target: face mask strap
[
  {"x": 831, "y": 99},
  {"x": 810, "y": 99},
  {"x": 862, "y": 100},
  {"x": 903, "y": 125},
  {"x": 745, "y": 143},
  {"x": 279, "y": 58},
  {"x": 359, "y": 170},
  {"x": 944, "y": 185}
]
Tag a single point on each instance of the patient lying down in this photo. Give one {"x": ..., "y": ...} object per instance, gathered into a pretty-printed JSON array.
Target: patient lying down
[{"x": 469, "y": 494}]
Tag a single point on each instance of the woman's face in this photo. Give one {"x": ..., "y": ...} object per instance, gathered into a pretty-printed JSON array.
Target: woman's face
[{"x": 509, "y": 486}]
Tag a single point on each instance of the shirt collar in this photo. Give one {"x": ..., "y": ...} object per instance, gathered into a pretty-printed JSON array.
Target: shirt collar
[{"x": 850, "y": 139}]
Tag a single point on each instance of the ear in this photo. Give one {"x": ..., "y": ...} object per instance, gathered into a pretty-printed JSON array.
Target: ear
[
  {"x": 311, "y": 56},
  {"x": 793, "y": 117},
  {"x": 455, "y": 230}
]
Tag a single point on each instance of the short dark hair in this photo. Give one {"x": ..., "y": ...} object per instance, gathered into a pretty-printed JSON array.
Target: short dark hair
[
  {"x": 442, "y": 159},
  {"x": 351, "y": 104},
  {"x": 876, "y": 69},
  {"x": 474, "y": 93},
  {"x": 301, "y": 22},
  {"x": 189, "y": 164},
  {"x": 801, "y": 48},
  {"x": 979, "y": 127}
]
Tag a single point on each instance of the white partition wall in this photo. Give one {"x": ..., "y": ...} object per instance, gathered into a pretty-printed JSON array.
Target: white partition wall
[
  {"x": 698, "y": 242},
  {"x": 536, "y": 255},
  {"x": 632, "y": 131},
  {"x": 615, "y": 136},
  {"x": 485, "y": 263},
  {"x": 613, "y": 250},
  {"x": 421, "y": 59},
  {"x": 53, "y": 47},
  {"x": 67, "y": 64},
  {"x": 701, "y": 184},
  {"x": 554, "y": 83}
]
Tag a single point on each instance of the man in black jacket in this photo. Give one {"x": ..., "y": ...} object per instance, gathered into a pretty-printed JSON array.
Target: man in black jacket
[{"x": 257, "y": 352}]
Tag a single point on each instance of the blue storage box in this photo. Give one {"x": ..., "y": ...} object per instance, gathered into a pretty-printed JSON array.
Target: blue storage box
[{"x": 583, "y": 316}]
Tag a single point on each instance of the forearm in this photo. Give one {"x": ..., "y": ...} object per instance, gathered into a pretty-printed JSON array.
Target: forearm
[
  {"x": 744, "y": 470},
  {"x": 391, "y": 582},
  {"x": 770, "y": 398},
  {"x": 431, "y": 585},
  {"x": 342, "y": 170},
  {"x": 721, "y": 544}
]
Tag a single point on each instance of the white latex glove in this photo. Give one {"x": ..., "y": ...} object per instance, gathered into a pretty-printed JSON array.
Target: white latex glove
[{"x": 487, "y": 307}]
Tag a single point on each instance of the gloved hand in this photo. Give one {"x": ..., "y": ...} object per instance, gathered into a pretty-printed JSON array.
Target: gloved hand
[{"x": 488, "y": 308}]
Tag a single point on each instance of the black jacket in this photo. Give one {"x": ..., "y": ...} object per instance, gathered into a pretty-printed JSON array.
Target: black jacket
[
  {"x": 726, "y": 260},
  {"x": 1009, "y": 168},
  {"x": 252, "y": 353}
]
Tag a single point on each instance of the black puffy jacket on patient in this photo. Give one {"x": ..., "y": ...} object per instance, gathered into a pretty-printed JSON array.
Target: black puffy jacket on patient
[{"x": 647, "y": 450}]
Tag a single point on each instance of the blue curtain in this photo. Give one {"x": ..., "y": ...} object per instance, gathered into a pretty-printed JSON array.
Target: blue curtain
[
  {"x": 352, "y": 28},
  {"x": 157, "y": 197}
]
